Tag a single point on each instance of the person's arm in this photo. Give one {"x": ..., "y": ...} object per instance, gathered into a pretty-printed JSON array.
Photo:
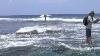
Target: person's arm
[
  {"x": 96, "y": 21},
  {"x": 89, "y": 19}
]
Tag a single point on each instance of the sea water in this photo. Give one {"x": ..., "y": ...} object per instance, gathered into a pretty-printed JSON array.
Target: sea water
[{"x": 60, "y": 35}]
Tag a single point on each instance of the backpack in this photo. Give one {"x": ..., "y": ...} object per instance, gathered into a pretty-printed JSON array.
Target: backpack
[{"x": 85, "y": 22}]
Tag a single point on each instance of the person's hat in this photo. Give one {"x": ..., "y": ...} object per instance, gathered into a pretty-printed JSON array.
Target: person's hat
[{"x": 92, "y": 12}]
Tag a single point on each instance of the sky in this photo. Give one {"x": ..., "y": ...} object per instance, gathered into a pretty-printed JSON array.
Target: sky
[{"x": 34, "y": 7}]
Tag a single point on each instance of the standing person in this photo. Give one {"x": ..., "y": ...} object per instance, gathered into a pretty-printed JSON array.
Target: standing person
[
  {"x": 45, "y": 17},
  {"x": 88, "y": 23}
]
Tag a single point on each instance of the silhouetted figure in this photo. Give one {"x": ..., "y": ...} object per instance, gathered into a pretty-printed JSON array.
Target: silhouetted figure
[{"x": 45, "y": 16}]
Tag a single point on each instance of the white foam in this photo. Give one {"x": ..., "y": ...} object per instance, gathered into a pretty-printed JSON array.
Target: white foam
[
  {"x": 42, "y": 19},
  {"x": 3, "y": 36},
  {"x": 79, "y": 48},
  {"x": 10, "y": 41},
  {"x": 43, "y": 16},
  {"x": 39, "y": 29},
  {"x": 72, "y": 20},
  {"x": 14, "y": 42},
  {"x": 7, "y": 19},
  {"x": 7, "y": 44}
]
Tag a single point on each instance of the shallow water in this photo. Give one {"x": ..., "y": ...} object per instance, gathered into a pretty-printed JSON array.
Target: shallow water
[{"x": 68, "y": 41}]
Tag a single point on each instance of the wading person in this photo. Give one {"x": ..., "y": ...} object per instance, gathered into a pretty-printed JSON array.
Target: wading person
[
  {"x": 88, "y": 21},
  {"x": 45, "y": 17}
]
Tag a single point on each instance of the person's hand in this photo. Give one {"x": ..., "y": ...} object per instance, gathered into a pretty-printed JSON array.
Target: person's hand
[{"x": 98, "y": 19}]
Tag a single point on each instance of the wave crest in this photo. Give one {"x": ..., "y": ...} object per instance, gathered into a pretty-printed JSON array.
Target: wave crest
[
  {"x": 42, "y": 19},
  {"x": 38, "y": 29}
]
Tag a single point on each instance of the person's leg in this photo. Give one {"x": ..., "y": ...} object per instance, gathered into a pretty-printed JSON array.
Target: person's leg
[
  {"x": 90, "y": 41},
  {"x": 88, "y": 36}
]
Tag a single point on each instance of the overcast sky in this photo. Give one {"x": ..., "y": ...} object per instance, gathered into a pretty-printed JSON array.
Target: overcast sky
[{"x": 29, "y": 7}]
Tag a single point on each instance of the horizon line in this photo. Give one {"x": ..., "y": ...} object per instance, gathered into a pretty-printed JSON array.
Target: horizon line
[{"x": 42, "y": 14}]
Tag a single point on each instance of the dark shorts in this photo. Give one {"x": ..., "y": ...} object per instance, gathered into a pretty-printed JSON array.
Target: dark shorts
[{"x": 88, "y": 32}]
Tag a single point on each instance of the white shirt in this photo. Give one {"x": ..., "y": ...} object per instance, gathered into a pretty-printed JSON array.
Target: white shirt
[{"x": 90, "y": 21}]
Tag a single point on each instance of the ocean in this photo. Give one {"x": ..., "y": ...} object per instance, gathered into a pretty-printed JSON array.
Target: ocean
[{"x": 60, "y": 35}]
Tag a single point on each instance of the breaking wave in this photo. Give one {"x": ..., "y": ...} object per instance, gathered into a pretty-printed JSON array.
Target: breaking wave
[
  {"x": 42, "y": 19},
  {"x": 39, "y": 29},
  {"x": 86, "y": 48}
]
